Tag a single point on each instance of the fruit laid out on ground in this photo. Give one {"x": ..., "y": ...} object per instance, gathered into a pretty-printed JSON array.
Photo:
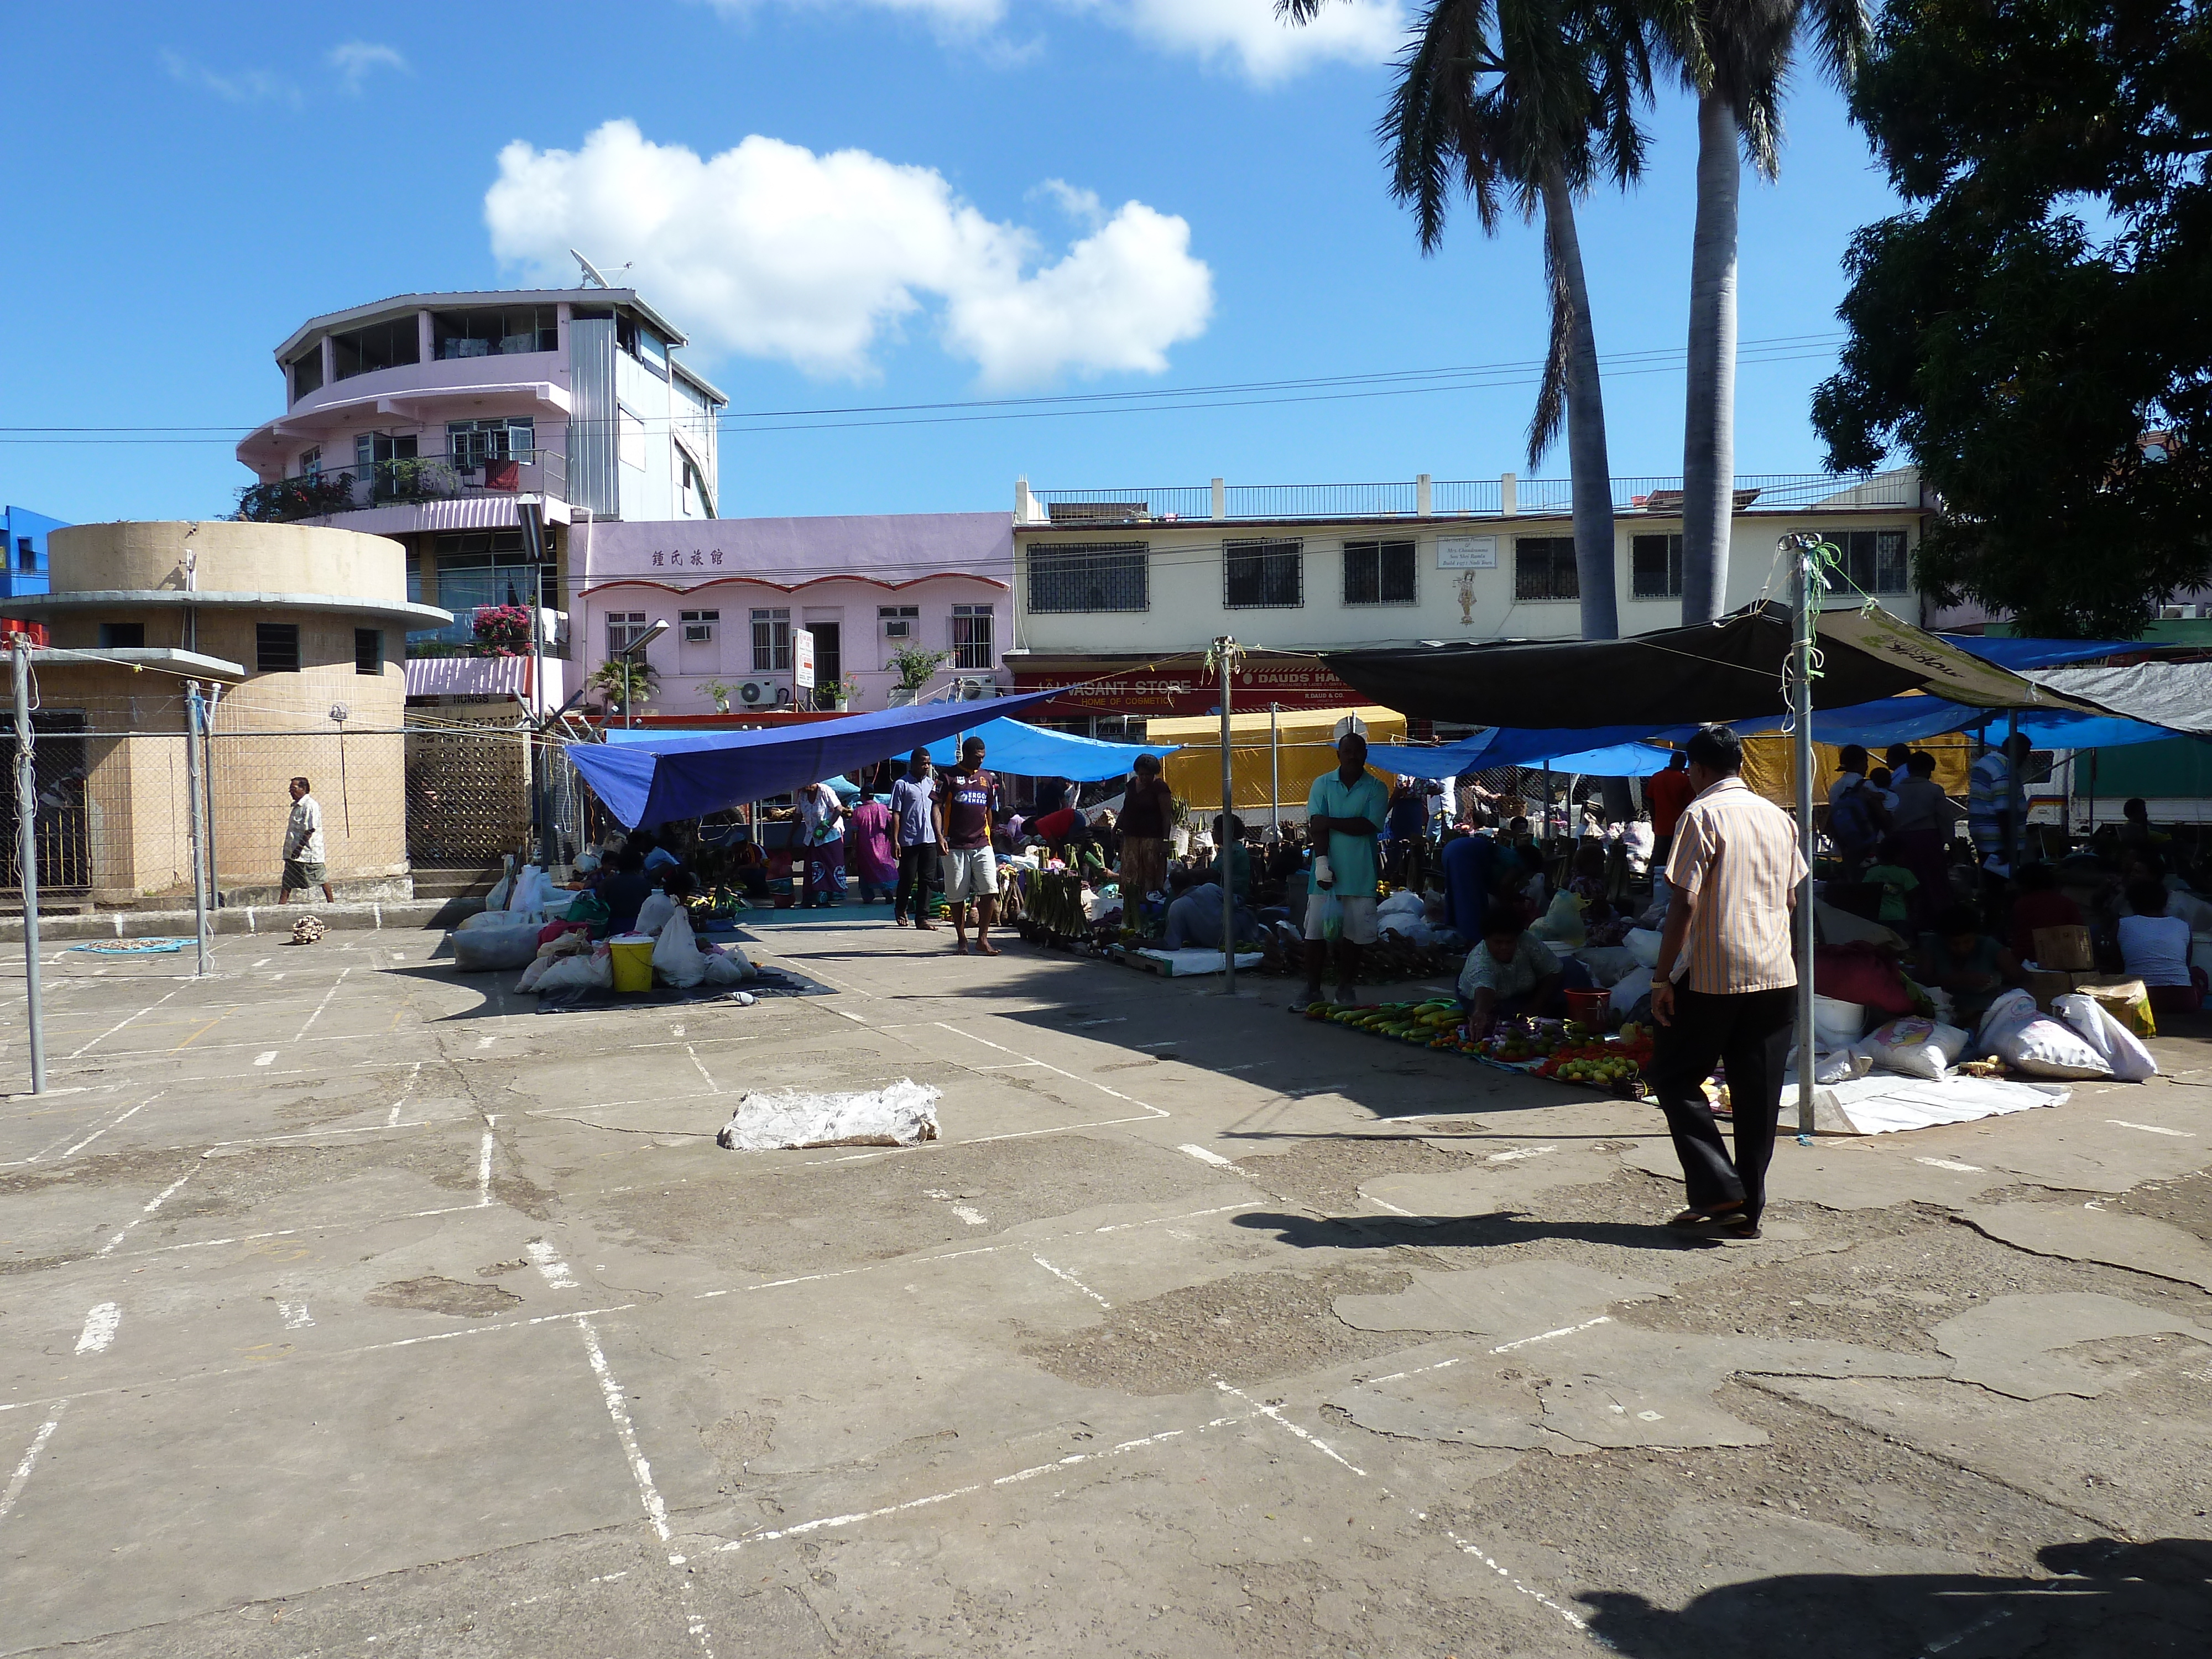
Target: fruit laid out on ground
[{"x": 1569, "y": 1052}]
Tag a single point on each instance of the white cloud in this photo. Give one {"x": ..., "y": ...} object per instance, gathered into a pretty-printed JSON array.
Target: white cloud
[
  {"x": 770, "y": 250},
  {"x": 239, "y": 86},
  {"x": 354, "y": 59},
  {"x": 1245, "y": 33}
]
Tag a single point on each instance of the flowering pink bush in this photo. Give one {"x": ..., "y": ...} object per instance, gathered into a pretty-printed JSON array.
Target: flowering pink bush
[{"x": 503, "y": 630}]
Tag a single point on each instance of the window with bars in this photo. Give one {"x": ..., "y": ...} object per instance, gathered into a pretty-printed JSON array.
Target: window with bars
[
  {"x": 1262, "y": 575},
  {"x": 623, "y": 628},
  {"x": 971, "y": 636},
  {"x": 1544, "y": 567},
  {"x": 772, "y": 641},
  {"x": 1654, "y": 567},
  {"x": 1876, "y": 560},
  {"x": 1091, "y": 576},
  {"x": 276, "y": 647},
  {"x": 1378, "y": 572}
]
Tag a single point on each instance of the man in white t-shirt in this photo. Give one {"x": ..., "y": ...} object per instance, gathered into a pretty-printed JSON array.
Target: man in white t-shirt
[{"x": 304, "y": 856}]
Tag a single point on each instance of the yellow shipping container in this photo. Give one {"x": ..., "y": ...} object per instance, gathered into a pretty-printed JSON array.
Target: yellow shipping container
[{"x": 1304, "y": 746}]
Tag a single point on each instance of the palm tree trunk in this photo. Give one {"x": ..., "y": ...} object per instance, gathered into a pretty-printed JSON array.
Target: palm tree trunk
[
  {"x": 1587, "y": 462},
  {"x": 1708, "y": 420}
]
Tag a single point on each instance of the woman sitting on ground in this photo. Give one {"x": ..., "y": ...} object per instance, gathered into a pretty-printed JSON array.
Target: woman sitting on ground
[
  {"x": 1974, "y": 967},
  {"x": 1511, "y": 972},
  {"x": 2155, "y": 949}
]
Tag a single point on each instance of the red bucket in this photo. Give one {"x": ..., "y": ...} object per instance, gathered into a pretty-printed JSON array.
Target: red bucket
[{"x": 1591, "y": 1008}]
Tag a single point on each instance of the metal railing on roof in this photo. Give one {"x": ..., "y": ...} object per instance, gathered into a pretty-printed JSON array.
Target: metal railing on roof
[{"x": 1499, "y": 497}]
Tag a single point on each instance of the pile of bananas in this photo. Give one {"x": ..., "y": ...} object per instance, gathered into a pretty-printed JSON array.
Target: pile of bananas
[{"x": 1433, "y": 1025}]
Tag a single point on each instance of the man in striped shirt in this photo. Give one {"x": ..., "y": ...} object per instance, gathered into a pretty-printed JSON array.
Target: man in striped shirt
[
  {"x": 1990, "y": 804},
  {"x": 1725, "y": 987}
]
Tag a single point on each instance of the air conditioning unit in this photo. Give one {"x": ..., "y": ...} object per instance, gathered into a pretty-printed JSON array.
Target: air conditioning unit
[
  {"x": 759, "y": 693},
  {"x": 898, "y": 628},
  {"x": 973, "y": 690},
  {"x": 698, "y": 633}
]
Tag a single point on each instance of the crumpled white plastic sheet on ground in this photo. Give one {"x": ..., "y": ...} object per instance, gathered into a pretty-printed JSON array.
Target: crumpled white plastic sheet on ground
[
  {"x": 1196, "y": 961},
  {"x": 1884, "y": 1103},
  {"x": 903, "y": 1114}
]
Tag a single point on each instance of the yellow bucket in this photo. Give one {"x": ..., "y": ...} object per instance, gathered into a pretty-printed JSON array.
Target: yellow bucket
[{"x": 633, "y": 963}]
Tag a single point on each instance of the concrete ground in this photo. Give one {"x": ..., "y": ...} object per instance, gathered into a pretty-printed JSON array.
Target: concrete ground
[{"x": 350, "y": 1307}]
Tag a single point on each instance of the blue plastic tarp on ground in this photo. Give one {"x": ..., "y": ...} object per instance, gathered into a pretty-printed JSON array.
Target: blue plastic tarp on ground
[
  {"x": 645, "y": 781},
  {"x": 1034, "y": 751}
]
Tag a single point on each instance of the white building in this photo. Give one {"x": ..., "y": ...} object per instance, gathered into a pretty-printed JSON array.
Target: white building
[{"x": 1134, "y": 584}]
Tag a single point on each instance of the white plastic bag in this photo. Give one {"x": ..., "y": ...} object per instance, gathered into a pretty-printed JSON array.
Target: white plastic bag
[
  {"x": 1630, "y": 988},
  {"x": 2120, "y": 1048},
  {"x": 1836, "y": 1025},
  {"x": 1843, "y": 1065},
  {"x": 653, "y": 915},
  {"x": 676, "y": 958},
  {"x": 1915, "y": 1046},
  {"x": 501, "y": 919},
  {"x": 1562, "y": 923},
  {"x": 2036, "y": 1044},
  {"x": 904, "y": 1114},
  {"x": 579, "y": 973},
  {"x": 496, "y": 899},
  {"x": 727, "y": 966},
  {"x": 1643, "y": 943},
  {"x": 481, "y": 949},
  {"x": 1606, "y": 962}
]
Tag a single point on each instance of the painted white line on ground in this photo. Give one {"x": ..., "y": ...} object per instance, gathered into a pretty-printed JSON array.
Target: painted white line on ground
[
  {"x": 1155, "y": 1110},
  {"x": 1117, "y": 1019},
  {"x": 317, "y": 1134},
  {"x": 260, "y": 1367},
  {"x": 1062, "y": 1274},
  {"x": 1951, "y": 1164},
  {"x": 1172, "y": 1043},
  {"x": 1545, "y": 1336},
  {"x": 117, "y": 1026},
  {"x": 154, "y": 1203},
  {"x": 640, "y": 1471},
  {"x": 1205, "y": 1157},
  {"x": 105, "y": 1127},
  {"x": 295, "y": 1315},
  {"x": 21, "y": 1477},
  {"x": 548, "y": 1261},
  {"x": 713, "y": 1088},
  {"x": 1536, "y": 1595},
  {"x": 265, "y": 962},
  {"x": 1274, "y": 1415},
  {"x": 324, "y": 1004},
  {"x": 265, "y": 1057},
  {"x": 484, "y": 1172},
  {"x": 1514, "y": 1155},
  {"x": 2150, "y": 1128},
  {"x": 100, "y": 1327}
]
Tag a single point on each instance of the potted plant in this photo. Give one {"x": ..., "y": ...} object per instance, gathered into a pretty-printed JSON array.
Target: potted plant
[
  {"x": 914, "y": 667},
  {"x": 503, "y": 630},
  {"x": 844, "y": 692},
  {"x": 721, "y": 692},
  {"x": 1179, "y": 824},
  {"x": 625, "y": 682}
]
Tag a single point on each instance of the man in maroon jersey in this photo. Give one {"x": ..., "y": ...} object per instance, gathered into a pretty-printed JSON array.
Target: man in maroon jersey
[{"x": 965, "y": 812}]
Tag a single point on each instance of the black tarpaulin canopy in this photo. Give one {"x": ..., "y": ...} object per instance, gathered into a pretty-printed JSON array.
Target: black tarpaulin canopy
[{"x": 1730, "y": 669}]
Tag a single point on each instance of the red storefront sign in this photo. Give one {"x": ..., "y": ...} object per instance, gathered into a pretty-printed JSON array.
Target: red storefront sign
[{"x": 1142, "y": 689}]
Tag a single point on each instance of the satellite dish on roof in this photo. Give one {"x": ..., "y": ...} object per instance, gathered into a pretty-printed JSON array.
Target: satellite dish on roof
[
  {"x": 592, "y": 278},
  {"x": 340, "y": 712}
]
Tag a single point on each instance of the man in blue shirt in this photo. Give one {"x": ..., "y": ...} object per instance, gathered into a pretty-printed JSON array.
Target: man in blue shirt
[
  {"x": 1468, "y": 861},
  {"x": 1344, "y": 814},
  {"x": 915, "y": 812}
]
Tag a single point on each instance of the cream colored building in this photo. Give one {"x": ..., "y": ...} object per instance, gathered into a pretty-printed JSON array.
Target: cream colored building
[
  {"x": 300, "y": 633},
  {"x": 1134, "y": 584}
]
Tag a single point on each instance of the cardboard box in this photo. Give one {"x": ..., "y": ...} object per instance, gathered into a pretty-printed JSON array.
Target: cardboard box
[
  {"x": 2065, "y": 950},
  {"x": 2047, "y": 985},
  {"x": 2126, "y": 998}
]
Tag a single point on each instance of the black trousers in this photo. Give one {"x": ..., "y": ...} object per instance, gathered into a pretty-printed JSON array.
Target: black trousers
[
  {"x": 917, "y": 876},
  {"x": 1749, "y": 1032}
]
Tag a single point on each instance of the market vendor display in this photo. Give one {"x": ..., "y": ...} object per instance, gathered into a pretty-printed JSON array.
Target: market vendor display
[{"x": 1511, "y": 973}]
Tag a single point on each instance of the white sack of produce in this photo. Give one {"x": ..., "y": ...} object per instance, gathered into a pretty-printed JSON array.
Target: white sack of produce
[
  {"x": 676, "y": 958},
  {"x": 1643, "y": 944},
  {"x": 727, "y": 966},
  {"x": 1836, "y": 1025},
  {"x": 1630, "y": 988},
  {"x": 904, "y": 1114},
  {"x": 480, "y": 950},
  {"x": 2119, "y": 1047},
  {"x": 2035, "y": 1043},
  {"x": 1608, "y": 963},
  {"x": 595, "y": 972},
  {"x": 501, "y": 919},
  {"x": 653, "y": 915},
  {"x": 1562, "y": 924},
  {"x": 1915, "y": 1046}
]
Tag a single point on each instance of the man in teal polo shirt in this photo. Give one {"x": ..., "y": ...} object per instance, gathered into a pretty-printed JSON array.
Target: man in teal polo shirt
[{"x": 1344, "y": 814}]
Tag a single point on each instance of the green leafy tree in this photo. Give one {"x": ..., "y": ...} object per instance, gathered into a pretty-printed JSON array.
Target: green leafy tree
[
  {"x": 1524, "y": 104},
  {"x": 1736, "y": 56},
  {"x": 2044, "y": 304}
]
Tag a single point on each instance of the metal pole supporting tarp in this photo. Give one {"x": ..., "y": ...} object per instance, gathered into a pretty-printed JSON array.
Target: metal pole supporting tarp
[
  {"x": 1224, "y": 649},
  {"x": 1800, "y": 710},
  {"x": 27, "y": 856},
  {"x": 194, "y": 769},
  {"x": 1275, "y": 768}
]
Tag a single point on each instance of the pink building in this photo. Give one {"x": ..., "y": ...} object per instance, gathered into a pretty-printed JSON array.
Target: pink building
[{"x": 732, "y": 591}]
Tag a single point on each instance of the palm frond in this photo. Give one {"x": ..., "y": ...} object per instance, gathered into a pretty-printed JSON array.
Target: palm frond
[{"x": 1550, "y": 412}]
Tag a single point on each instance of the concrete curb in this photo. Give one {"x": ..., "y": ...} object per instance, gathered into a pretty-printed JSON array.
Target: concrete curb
[{"x": 265, "y": 919}]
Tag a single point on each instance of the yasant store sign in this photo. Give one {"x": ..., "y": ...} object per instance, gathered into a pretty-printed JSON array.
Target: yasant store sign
[{"x": 1120, "y": 687}]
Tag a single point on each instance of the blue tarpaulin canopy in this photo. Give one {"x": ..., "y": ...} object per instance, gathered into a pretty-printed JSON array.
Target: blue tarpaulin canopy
[
  {"x": 645, "y": 781},
  {"x": 1034, "y": 751},
  {"x": 1500, "y": 746},
  {"x": 2007, "y": 653}
]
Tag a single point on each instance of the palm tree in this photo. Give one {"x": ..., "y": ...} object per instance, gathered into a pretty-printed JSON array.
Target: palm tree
[{"x": 1735, "y": 58}]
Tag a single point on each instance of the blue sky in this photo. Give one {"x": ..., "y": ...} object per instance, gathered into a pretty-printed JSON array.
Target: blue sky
[{"x": 1009, "y": 197}]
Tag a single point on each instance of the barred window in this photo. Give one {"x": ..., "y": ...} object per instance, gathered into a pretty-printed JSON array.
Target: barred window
[
  {"x": 623, "y": 628},
  {"x": 1262, "y": 575},
  {"x": 1091, "y": 576},
  {"x": 1654, "y": 567},
  {"x": 276, "y": 647},
  {"x": 772, "y": 641},
  {"x": 1378, "y": 572},
  {"x": 1876, "y": 559},
  {"x": 1544, "y": 567},
  {"x": 971, "y": 636}
]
